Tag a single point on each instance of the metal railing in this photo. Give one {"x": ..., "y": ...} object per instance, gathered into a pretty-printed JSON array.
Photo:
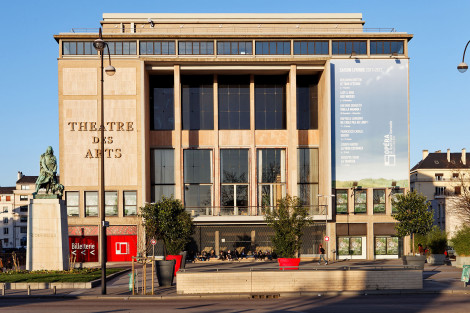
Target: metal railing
[{"x": 244, "y": 211}]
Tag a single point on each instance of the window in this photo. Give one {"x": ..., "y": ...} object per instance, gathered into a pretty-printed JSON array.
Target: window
[
  {"x": 198, "y": 181},
  {"x": 162, "y": 173},
  {"x": 273, "y": 47},
  {"x": 271, "y": 176},
  {"x": 72, "y": 201},
  {"x": 157, "y": 47},
  {"x": 197, "y": 101},
  {"x": 270, "y": 102},
  {"x": 234, "y": 181},
  {"x": 307, "y": 180},
  {"x": 23, "y": 229},
  {"x": 394, "y": 194},
  {"x": 24, "y": 208},
  {"x": 23, "y": 198},
  {"x": 91, "y": 203},
  {"x": 111, "y": 203},
  {"x": 386, "y": 47},
  {"x": 341, "y": 197},
  {"x": 195, "y": 47},
  {"x": 379, "y": 201},
  {"x": 307, "y": 102},
  {"x": 311, "y": 47},
  {"x": 360, "y": 201},
  {"x": 162, "y": 103},
  {"x": 23, "y": 219},
  {"x": 5, "y": 231},
  {"x": 439, "y": 177},
  {"x": 348, "y": 47},
  {"x": 234, "y": 47},
  {"x": 8, "y": 198},
  {"x": 457, "y": 190},
  {"x": 5, "y": 220},
  {"x": 122, "y": 47},
  {"x": 440, "y": 191},
  {"x": 24, "y": 187},
  {"x": 234, "y": 102},
  {"x": 386, "y": 245},
  {"x": 78, "y": 48},
  {"x": 455, "y": 176},
  {"x": 349, "y": 245},
  {"x": 130, "y": 203},
  {"x": 5, "y": 209}
]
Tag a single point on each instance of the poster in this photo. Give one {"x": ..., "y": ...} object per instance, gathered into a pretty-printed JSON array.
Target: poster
[
  {"x": 392, "y": 246},
  {"x": 356, "y": 246},
  {"x": 370, "y": 122},
  {"x": 380, "y": 246},
  {"x": 343, "y": 246}
]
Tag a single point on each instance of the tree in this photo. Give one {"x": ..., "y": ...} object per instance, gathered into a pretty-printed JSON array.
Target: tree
[
  {"x": 167, "y": 220},
  {"x": 287, "y": 220},
  {"x": 459, "y": 204},
  {"x": 413, "y": 215}
]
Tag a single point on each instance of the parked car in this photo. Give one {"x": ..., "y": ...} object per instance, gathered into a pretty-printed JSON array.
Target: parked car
[{"x": 450, "y": 252}]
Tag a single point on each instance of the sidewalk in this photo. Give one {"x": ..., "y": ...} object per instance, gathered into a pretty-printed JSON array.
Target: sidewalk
[{"x": 437, "y": 280}]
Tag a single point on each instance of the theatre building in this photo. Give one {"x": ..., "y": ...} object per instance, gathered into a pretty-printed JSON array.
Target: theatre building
[{"x": 229, "y": 113}]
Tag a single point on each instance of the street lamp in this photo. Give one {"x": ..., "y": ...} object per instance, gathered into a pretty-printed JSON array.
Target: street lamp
[
  {"x": 99, "y": 44},
  {"x": 326, "y": 218},
  {"x": 463, "y": 67}
]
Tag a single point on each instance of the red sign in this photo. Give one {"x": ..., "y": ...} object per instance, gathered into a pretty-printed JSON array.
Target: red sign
[
  {"x": 153, "y": 242},
  {"x": 84, "y": 248},
  {"x": 121, "y": 248},
  {"x": 327, "y": 238}
]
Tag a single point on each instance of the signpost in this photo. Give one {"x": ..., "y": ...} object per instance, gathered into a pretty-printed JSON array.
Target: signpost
[
  {"x": 153, "y": 242},
  {"x": 326, "y": 238}
]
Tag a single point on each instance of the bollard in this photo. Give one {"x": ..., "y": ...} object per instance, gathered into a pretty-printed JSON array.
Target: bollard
[
  {"x": 3, "y": 290},
  {"x": 29, "y": 290},
  {"x": 54, "y": 290}
]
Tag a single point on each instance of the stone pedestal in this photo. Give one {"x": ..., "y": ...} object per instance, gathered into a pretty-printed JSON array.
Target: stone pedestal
[{"x": 48, "y": 240}]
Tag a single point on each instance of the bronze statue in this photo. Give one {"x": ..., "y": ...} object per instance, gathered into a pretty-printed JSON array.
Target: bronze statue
[{"x": 47, "y": 174}]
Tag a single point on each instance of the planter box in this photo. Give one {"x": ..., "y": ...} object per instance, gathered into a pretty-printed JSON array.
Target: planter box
[
  {"x": 437, "y": 259},
  {"x": 415, "y": 260},
  {"x": 460, "y": 261}
]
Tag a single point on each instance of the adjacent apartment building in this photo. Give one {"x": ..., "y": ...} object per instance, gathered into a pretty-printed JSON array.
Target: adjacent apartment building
[
  {"x": 443, "y": 177},
  {"x": 229, "y": 113}
]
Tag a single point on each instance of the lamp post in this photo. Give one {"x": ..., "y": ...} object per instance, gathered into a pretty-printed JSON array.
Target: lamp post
[
  {"x": 326, "y": 218},
  {"x": 99, "y": 44},
  {"x": 463, "y": 67}
]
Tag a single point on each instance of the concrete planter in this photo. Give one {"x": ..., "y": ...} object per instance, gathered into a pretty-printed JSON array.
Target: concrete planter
[
  {"x": 437, "y": 259},
  {"x": 414, "y": 260},
  {"x": 460, "y": 261},
  {"x": 165, "y": 272}
]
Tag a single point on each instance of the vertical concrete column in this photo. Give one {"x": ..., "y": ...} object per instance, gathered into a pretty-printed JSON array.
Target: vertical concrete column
[
  {"x": 370, "y": 201},
  {"x": 252, "y": 180},
  {"x": 351, "y": 194},
  {"x": 370, "y": 241},
  {"x": 253, "y": 238},
  {"x": 388, "y": 201},
  {"x": 217, "y": 242},
  {"x": 179, "y": 186},
  {"x": 291, "y": 119},
  {"x": 216, "y": 163}
]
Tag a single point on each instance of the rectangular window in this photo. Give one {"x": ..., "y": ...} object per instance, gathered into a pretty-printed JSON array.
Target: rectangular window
[
  {"x": 24, "y": 208},
  {"x": 349, "y": 245},
  {"x": 341, "y": 197},
  {"x": 394, "y": 194},
  {"x": 23, "y": 198},
  {"x": 386, "y": 47},
  {"x": 439, "y": 177},
  {"x": 5, "y": 231},
  {"x": 234, "y": 47},
  {"x": 234, "y": 102},
  {"x": 307, "y": 179},
  {"x": 23, "y": 229},
  {"x": 360, "y": 201},
  {"x": 91, "y": 203},
  {"x": 195, "y": 47},
  {"x": 273, "y": 47},
  {"x": 347, "y": 47},
  {"x": 5, "y": 220},
  {"x": 162, "y": 116},
  {"x": 23, "y": 219},
  {"x": 386, "y": 245},
  {"x": 198, "y": 181},
  {"x": 122, "y": 47},
  {"x": 72, "y": 201},
  {"x": 8, "y": 198},
  {"x": 111, "y": 203},
  {"x": 162, "y": 173},
  {"x": 307, "y": 102},
  {"x": 197, "y": 101},
  {"x": 316, "y": 47},
  {"x": 457, "y": 190},
  {"x": 271, "y": 176},
  {"x": 78, "y": 48},
  {"x": 379, "y": 201},
  {"x": 130, "y": 203},
  {"x": 157, "y": 47},
  {"x": 234, "y": 181},
  {"x": 24, "y": 187},
  {"x": 270, "y": 102}
]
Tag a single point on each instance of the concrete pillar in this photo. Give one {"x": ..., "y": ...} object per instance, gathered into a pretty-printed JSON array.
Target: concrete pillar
[
  {"x": 217, "y": 242},
  {"x": 252, "y": 156},
  {"x": 179, "y": 186},
  {"x": 291, "y": 118}
]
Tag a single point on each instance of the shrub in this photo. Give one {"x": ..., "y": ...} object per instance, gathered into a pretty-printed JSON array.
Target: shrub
[
  {"x": 461, "y": 241},
  {"x": 436, "y": 240}
]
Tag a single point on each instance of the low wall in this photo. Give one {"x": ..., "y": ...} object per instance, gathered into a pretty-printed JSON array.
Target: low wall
[{"x": 295, "y": 281}]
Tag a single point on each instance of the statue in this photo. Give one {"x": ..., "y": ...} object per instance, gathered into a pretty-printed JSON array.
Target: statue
[{"x": 47, "y": 174}]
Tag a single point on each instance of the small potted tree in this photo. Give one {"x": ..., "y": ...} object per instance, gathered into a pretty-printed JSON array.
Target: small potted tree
[
  {"x": 461, "y": 244},
  {"x": 414, "y": 217},
  {"x": 436, "y": 240},
  {"x": 287, "y": 220},
  {"x": 167, "y": 220}
]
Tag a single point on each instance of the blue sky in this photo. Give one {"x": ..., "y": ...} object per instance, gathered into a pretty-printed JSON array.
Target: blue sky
[{"x": 439, "y": 94}]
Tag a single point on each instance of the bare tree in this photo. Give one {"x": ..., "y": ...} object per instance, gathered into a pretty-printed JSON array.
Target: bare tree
[{"x": 459, "y": 203}]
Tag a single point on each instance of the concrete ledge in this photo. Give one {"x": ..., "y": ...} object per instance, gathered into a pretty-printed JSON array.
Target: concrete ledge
[{"x": 275, "y": 282}]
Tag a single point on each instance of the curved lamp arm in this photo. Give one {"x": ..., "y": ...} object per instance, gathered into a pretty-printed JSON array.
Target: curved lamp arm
[{"x": 462, "y": 67}]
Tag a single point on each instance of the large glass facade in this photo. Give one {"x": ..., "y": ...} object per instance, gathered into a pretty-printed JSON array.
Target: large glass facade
[
  {"x": 270, "y": 102},
  {"x": 234, "y": 47},
  {"x": 307, "y": 179},
  {"x": 273, "y": 47},
  {"x": 234, "y": 102},
  {"x": 195, "y": 47},
  {"x": 162, "y": 170},
  {"x": 307, "y": 102},
  {"x": 198, "y": 181},
  {"x": 234, "y": 181},
  {"x": 386, "y": 46},
  {"x": 271, "y": 176},
  {"x": 197, "y": 101},
  {"x": 348, "y": 47},
  {"x": 316, "y": 47},
  {"x": 157, "y": 47},
  {"x": 162, "y": 115}
]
